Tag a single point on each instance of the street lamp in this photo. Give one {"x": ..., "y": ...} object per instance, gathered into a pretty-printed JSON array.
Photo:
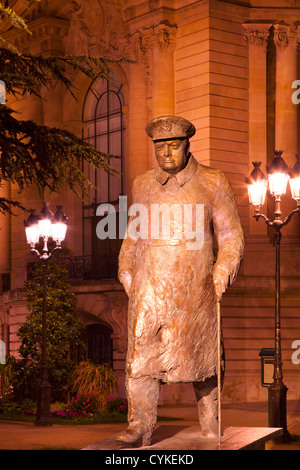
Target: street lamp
[
  {"x": 45, "y": 225},
  {"x": 279, "y": 174}
]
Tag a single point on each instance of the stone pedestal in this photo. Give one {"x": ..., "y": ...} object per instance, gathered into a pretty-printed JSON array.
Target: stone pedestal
[{"x": 176, "y": 437}]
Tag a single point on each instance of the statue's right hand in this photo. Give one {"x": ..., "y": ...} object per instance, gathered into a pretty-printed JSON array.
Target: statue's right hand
[
  {"x": 221, "y": 280},
  {"x": 126, "y": 280}
]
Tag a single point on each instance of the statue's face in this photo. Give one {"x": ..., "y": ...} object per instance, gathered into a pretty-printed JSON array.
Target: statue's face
[{"x": 171, "y": 155}]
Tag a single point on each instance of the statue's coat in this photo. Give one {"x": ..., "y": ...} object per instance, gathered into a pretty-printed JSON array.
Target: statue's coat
[{"x": 172, "y": 303}]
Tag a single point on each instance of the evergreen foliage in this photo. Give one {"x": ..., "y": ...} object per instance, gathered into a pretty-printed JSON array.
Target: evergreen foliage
[
  {"x": 47, "y": 157},
  {"x": 33, "y": 154},
  {"x": 14, "y": 19}
]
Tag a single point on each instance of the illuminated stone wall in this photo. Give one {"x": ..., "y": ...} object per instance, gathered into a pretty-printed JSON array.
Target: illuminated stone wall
[{"x": 228, "y": 68}]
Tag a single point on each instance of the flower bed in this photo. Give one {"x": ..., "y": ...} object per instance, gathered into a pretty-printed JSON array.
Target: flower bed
[
  {"x": 88, "y": 406},
  {"x": 117, "y": 405}
]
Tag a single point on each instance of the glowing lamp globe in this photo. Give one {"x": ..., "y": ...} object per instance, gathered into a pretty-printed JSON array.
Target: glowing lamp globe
[
  {"x": 278, "y": 175},
  {"x": 257, "y": 185},
  {"x": 45, "y": 221},
  {"x": 295, "y": 180},
  {"x": 32, "y": 230},
  {"x": 59, "y": 226}
]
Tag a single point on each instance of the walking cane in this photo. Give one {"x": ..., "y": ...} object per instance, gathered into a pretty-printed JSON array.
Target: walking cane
[{"x": 219, "y": 373}]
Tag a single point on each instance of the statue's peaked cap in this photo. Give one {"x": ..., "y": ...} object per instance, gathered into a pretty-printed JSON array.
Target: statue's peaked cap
[{"x": 170, "y": 127}]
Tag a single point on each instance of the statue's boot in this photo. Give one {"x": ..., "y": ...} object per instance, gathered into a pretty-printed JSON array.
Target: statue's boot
[
  {"x": 135, "y": 435},
  {"x": 208, "y": 418},
  {"x": 142, "y": 394},
  {"x": 207, "y": 398}
]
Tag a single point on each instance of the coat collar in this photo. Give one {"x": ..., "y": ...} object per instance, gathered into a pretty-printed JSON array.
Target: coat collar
[{"x": 182, "y": 177}]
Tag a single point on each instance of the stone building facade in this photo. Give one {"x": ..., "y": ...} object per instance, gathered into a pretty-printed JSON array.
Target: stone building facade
[{"x": 227, "y": 66}]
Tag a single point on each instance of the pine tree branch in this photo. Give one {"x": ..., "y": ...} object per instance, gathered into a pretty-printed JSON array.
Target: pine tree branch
[
  {"x": 14, "y": 19},
  {"x": 25, "y": 73},
  {"x": 7, "y": 204},
  {"x": 46, "y": 157}
]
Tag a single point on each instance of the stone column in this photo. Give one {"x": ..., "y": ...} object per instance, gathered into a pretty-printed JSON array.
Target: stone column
[
  {"x": 150, "y": 92},
  {"x": 34, "y": 112},
  {"x": 158, "y": 44},
  {"x": 31, "y": 199},
  {"x": 53, "y": 104},
  {"x": 256, "y": 35},
  {"x": 286, "y": 120},
  {"x": 286, "y": 112},
  {"x": 163, "y": 100},
  {"x": 137, "y": 114},
  {"x": 5, "y": 220}
]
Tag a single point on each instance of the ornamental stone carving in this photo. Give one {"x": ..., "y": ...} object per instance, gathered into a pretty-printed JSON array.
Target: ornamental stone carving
[
  {"x": 116, "y": 315},
  {"x": 285, "y": 35},
  {"x": 109, "y": 307},
  {"x": 165, "y": 36},
  {"x": 257, "y": 34},
  {"x": 96, "y": 27},
  {"x": 294, "y": 3},
  {"x": 140, "y": 44}
]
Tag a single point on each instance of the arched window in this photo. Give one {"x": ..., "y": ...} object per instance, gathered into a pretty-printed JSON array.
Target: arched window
[
  {"x": 99, "y": 347},
  {"x": 104, "y": 128}
]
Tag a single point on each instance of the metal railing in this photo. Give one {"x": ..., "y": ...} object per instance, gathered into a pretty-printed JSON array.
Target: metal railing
[{"x": 86, "y": 268}]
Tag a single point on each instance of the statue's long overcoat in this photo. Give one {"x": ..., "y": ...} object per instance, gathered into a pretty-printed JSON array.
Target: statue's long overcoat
[{"x": 172, "y": 332}]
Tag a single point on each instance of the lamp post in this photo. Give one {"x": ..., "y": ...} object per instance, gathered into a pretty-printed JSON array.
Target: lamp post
[
  {"x": 279, "y": 174},
  {"x": 45, "y": 225}
]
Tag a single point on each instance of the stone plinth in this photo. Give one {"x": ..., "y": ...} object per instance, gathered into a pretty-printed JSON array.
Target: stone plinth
[{"x": 174, "y": 437}]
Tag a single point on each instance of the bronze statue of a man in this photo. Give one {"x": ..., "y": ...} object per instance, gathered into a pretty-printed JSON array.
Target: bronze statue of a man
[{"x": 172, "y": 285}]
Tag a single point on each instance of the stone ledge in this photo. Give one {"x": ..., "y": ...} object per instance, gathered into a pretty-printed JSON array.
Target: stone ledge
[{"x": 176, "y": 437}]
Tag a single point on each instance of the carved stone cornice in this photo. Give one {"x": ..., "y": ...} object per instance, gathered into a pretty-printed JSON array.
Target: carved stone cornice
[
  {"x": 286, "y": 35},
  {"x": 49, "y": 32},
  {"x": 257, "y": 34},
  {"x": 133, "y": 9}
]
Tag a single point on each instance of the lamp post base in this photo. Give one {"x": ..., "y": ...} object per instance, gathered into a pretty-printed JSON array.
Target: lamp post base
[
  {"x": 277, "y": 409},
  {"x": 43, "y": 421},
  {"x": 43, "y": 416}
]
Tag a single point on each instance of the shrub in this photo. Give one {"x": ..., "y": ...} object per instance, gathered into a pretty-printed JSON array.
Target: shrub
[
  {"x": 84, "y": 404},
  {"x": 117, "y": 405},
  {"x": 7, "y": 371},
  {"x": 99, "y": 379},
  {"x": 8, "y": 406},
  {"x": 78, "y": 408}
]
